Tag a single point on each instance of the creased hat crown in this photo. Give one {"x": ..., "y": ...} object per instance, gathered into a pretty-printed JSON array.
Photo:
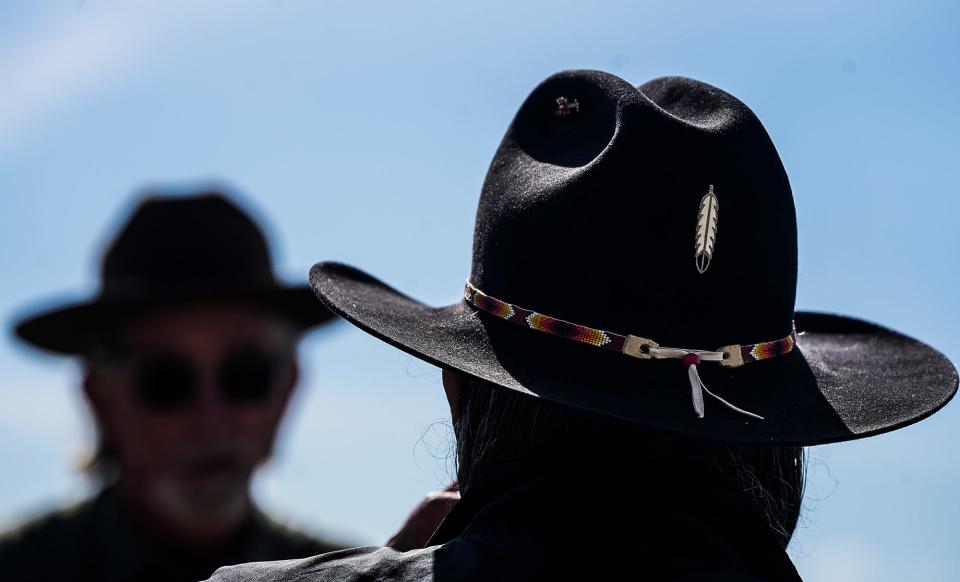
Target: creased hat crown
[
  {"x": 173, "y": 249},
  {"x": 635, "y": 252},
  {"x": 590, "y": 214},
  {"x": 172, "y": 243}
]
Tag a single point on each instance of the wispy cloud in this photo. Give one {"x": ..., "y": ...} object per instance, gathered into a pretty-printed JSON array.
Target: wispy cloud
[
  {"x": 855, "y": 559},
  {"x": 41, "y": 408},
  {"x": 845, "y": 559},
  {"x": 76, "y": 54}
]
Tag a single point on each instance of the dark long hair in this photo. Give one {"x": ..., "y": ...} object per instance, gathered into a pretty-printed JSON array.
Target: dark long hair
[{"x": 496, "y": 425}]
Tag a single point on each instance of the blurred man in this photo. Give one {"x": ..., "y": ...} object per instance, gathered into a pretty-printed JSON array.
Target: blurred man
[{"x": 189, "y": 359}]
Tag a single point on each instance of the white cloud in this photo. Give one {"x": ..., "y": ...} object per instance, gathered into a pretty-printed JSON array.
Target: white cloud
[
  {"x": 75, "y": 54},
  {"x": 41, "y": 407},
  {"x": 850, "y": 560},
  {"x": 856, "y": 559}
]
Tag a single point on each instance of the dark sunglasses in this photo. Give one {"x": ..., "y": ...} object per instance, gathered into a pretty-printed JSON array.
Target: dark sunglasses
[{"x": 170, "y": 381}]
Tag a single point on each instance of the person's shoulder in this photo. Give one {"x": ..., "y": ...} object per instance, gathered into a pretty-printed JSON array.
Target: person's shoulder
[
  {"x": 59, "y": 531},
  {"x": 279, "y": 540},
  {"x": 68, "y": 521},
  {"x": 372, "y": 563}
]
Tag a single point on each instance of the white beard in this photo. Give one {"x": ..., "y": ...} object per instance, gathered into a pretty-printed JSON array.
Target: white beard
[{"x": 218, "y": 505}]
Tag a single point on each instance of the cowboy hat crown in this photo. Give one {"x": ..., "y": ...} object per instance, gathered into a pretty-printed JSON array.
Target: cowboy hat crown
[
  {"x": 635, "y": 250},
  {"x": 197, "y": 247}
]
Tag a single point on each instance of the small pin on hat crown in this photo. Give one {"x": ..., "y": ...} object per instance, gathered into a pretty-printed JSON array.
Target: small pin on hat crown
[{"x": 565, "y": 107}]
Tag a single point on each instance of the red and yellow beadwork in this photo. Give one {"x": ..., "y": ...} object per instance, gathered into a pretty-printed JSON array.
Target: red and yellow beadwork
[
  {"x": 762, "y": 351},
  {"x": 492, "y": 306},
  {"x": 571, "y": 331},
  {"x": 597, "y": 337}
]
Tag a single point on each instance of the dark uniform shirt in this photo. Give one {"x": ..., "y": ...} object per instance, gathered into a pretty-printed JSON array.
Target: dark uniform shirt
[
  {"x": 101, "y": 540},
  {"x": 518, "y": 526}
]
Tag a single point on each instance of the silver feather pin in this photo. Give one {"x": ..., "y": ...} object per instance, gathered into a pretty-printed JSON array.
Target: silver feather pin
[
  {"x": 706, "y": 230},
  {"x": 696, "y": 387}
]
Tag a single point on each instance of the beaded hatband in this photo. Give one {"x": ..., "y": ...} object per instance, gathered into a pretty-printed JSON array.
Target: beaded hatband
[{"x": 731, "y": 356}]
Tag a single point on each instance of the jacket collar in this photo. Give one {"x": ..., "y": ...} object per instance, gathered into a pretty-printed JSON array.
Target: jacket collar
[{"x": 529, "y": 501}]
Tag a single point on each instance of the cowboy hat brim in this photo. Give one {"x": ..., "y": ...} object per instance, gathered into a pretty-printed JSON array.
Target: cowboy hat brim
[
  {"x": 849, "y": 378},
  {"x": 69, "y": 329}
]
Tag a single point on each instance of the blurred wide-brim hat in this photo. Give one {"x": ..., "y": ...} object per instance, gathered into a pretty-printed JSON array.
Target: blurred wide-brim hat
[
  {"x": 172, "y": 250},
  {"x": 635, "y": 255}
]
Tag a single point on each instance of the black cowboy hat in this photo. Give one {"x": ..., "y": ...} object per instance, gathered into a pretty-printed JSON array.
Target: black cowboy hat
[
  {"x": 175, "y": 249},
  {"x": 599, "y": 218}
]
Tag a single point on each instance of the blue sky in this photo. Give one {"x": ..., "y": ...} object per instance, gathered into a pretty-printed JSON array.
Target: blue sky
[{"x": 361, "y": 131}]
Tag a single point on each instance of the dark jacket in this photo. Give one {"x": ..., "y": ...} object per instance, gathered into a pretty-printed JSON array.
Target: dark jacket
[
  {"x": 517, "y": 525},
  {"x": 101, "y": 540}
]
